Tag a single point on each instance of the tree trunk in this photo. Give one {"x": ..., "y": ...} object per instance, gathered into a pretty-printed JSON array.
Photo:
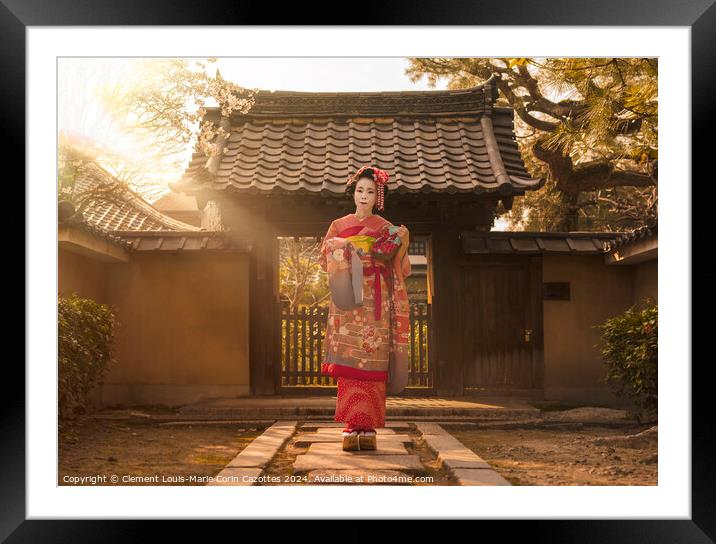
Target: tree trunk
[{"x": 569, "y": 216}]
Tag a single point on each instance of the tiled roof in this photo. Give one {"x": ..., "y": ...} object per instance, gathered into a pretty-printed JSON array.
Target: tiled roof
[
  {"x": 626, "y": 238},
  {"x": 127, "y": 220},
  {"x": 429, "y": 141},
  {"x": 128, "y": 211},
  {"x": 181, "y": 241},
  {"x": 536, "y": 242},
  {"x": 142, "y": 240}
]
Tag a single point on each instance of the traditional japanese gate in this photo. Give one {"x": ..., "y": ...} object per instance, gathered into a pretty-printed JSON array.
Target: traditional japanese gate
[
  {"x": 302, "y": 334},
  {"x": 281, "y": 170}
]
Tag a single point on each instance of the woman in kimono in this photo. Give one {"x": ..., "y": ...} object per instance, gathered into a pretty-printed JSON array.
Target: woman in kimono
[{"x": 366, "y": 342}]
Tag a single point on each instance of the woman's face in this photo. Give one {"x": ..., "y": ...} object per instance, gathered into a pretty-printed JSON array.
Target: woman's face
[{"x": 365, "y": 195}]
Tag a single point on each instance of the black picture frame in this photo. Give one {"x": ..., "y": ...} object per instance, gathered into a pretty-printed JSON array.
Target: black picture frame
[{"x": 700, "y": 16}]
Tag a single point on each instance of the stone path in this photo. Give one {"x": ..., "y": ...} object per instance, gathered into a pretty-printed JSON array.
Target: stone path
[
  {"x": 465, "y": 464},
  {"x": 247, "y": 467},
  {"x": 407, "y": 453}
]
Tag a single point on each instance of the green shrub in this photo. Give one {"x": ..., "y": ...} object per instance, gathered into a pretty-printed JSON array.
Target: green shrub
[
  {"x": 631, "y": 354},
  {"x": 85, "y": 338}
]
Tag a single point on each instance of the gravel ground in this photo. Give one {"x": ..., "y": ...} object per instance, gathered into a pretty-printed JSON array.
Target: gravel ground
[
  {"x": 590, "y": 456},
  {"x": 174, "y": 454}
]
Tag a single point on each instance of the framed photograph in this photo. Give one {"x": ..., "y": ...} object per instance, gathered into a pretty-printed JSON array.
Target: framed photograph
[{"x": 213, "y": 334}]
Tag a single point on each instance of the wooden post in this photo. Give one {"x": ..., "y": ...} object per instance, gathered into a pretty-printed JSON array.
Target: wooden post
[
  {"x": 446, "y": 301},
  {"x": 262, "y": 300}
]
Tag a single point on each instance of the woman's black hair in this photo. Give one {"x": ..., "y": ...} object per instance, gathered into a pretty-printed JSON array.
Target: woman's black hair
[{"x": 367, "y": 173}]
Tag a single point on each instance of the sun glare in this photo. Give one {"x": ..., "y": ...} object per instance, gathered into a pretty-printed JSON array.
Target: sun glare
[{"x": 89, "y": 120}]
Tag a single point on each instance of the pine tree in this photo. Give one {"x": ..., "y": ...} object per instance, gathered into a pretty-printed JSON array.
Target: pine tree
[{"x": 589, "y": 126}]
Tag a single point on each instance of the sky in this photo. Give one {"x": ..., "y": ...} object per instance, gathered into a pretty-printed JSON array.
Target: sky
[
  {"x": 322, "y": 74},
  {"x": 79, "y": 109}
]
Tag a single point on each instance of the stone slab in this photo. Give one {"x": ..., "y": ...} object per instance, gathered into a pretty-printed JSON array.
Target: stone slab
[
  {"x": 276, "y": 432},
  {"x": 439, "y": 442},
  {"x": 361, "y": 477},
  {"x": 336, "y": 448},
  {"x": 255, "y": 455},
  {"x": 380, "y": 431},
  {"x": 280, "y": 429},
  {"x": 263, "y": 448},
  {"x": 463, "y": 460},
  {"x": 308, "y": 462},
  {"x": 236, "y": 476},
  {"x": 240, "y": 423},
  {"x": 453, "y": 454},
  {"x": 284, "y": 424},
  {"x": 305, "y": 439},
  {"x": 338, "y": 424},
  {"x": 324, "y": 424},
  {"x": 479, "y": 476},
  {"x": 430, "y": 428}
]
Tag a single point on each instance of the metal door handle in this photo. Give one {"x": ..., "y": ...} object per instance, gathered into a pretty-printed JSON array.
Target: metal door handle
[{"x": 528, "y": 334}]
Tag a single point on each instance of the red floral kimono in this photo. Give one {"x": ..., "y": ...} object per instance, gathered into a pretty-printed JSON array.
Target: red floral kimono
[{"x": 366, "y": 346}]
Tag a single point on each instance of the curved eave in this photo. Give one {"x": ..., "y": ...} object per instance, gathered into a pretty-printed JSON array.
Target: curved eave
[{"x": 332, "y": 190}]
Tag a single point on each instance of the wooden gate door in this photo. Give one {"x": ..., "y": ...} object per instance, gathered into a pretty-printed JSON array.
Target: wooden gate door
[{"x": 501, "y": 326}]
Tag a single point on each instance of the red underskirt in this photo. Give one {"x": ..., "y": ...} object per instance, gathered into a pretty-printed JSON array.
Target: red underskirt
[
  {"x": 332, "y": 369},
  {"x": 360, "y": 403}
]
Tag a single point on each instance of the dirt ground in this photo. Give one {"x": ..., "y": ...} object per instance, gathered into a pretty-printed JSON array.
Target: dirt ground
[
  {"x": 590, "y": 456},
  {"x": 174, "y": 454},
  {"x": 184, "y": 454}
]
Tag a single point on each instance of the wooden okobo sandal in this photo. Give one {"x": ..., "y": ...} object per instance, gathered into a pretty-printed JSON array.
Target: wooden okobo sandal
[
  {"x": 368, "y": 440},
  {"x": 350, "y": 440}
]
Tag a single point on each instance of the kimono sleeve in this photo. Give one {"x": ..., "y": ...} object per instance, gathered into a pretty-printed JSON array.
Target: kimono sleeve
[
  {"x": 405, "y": 264},
  {"x": 331, "y": 233},
  {"x": 405, "y": 261}
]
